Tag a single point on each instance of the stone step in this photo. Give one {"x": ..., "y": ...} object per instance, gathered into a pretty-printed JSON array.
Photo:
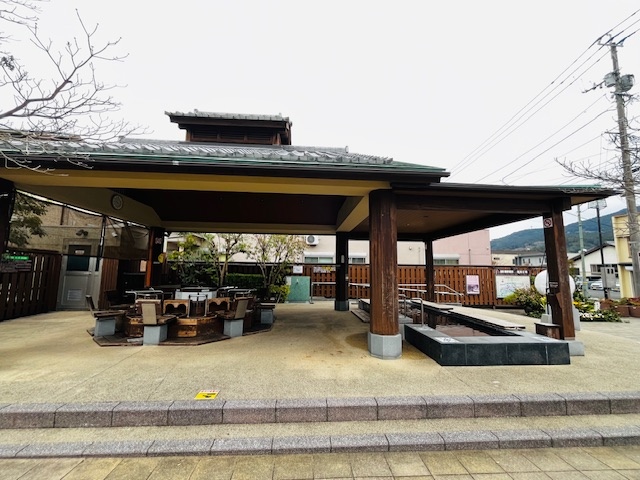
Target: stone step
[
  {"x": 599, "y": 436},
  {"x": 350, "y": 409}
]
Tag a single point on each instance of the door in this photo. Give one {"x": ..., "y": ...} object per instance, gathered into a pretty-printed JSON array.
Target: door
[{"x": 79, "y": 277}]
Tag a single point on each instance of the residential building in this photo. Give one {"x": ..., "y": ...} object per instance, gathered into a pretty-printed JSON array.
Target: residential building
[
  {"x": 623, "y": 255},
  {"x": 504, "y": 257},
  {"x": 594, "y": 267},
  {"x": 467, "y": 249}
]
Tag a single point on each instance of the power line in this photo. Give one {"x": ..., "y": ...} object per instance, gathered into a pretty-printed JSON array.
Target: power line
[
  {"x": 510, "y": 126},
  {"x": 504, "y": 132},
  {"x": 545, "y": 140},
  {"x": 597, "y": 40}
]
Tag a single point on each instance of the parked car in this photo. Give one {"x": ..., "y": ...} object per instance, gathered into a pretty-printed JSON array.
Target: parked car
[{"x": 596, "y": 285}]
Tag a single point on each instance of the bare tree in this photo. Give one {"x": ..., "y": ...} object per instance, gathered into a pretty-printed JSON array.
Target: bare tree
[
  {"x": 610, "y": 173},
  {"x": 222, "y": 247},
  {"x": 71, "y": 103},
  {"x": 274, "y": 253}
]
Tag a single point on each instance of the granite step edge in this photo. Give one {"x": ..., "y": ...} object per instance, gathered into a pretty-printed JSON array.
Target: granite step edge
[
  {"x": 212, "y": 412},
  {"x": 390, "y": 442}
]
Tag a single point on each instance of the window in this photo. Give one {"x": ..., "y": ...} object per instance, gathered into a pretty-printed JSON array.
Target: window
[
  {"x": 446, "y": 261},
  {"x": 318, "y": 259},
  {"x": 358, "y": 258}
]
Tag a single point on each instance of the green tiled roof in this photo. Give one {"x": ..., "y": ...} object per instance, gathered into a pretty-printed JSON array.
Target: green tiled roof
[{"x": 207, "y": 154}]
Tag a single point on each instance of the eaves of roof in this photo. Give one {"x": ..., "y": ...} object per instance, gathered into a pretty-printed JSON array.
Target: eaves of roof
[
  {"x": 154, "y": 154},
  {"x": 227, "y": 116}
]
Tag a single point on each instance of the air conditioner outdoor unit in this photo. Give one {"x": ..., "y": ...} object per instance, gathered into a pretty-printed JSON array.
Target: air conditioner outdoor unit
[{"x": 312, "y": 240}]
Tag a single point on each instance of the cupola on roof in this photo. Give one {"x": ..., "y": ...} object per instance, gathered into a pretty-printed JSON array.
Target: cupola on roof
[{"x": 233, "y": 128}]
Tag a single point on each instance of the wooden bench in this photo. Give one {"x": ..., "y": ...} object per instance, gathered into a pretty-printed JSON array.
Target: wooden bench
[
  {"x": 550, "y": 330},
  {"x": 106, "y": 320},
  {"x": 176, "y": 307},
  {"x": 488, "y": 319},
  {"x": 234, "y": 319},
  {"x": 218, "y": 304},
  {"x": 265, "y": 312},
  {"x": 156, "y": 326},
  {"x": 435, "y": 306}
]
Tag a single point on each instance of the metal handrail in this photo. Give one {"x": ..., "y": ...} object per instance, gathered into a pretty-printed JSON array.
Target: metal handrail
[{"x": 450, "y": 291}]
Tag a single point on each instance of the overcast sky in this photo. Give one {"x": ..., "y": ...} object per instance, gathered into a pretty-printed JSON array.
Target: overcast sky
[{"x": 421, "y": 82}]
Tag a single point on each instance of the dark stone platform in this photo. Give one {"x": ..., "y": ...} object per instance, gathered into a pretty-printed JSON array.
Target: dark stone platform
[{"x": 506, "y": 348}]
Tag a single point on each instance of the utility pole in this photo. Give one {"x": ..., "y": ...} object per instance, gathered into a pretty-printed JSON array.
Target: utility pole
[
  {"x": 603, "y": 268},
  {"x": 583, "y": 269},
  {"x": 627, "y": 173}
]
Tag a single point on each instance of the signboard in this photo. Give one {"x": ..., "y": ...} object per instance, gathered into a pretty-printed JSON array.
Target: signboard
[
  {"x": 15, "y": 263},
  {"x": 207, "y": 394},
  {"x": 324, "y": 269},
  {"x": 510, "y": 279},
  {"x": 473, "y": 284},
  {"x": 297, "y": 269}
]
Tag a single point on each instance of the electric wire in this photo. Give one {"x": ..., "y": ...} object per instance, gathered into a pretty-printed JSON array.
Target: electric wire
[
  {"x": 510, "y": 129},
  {"x": 501, "y": 168},
  {"x": 597, "y": 40},
  {"x": 504, "y": 130},
  {"x": 486, "y": 146}
]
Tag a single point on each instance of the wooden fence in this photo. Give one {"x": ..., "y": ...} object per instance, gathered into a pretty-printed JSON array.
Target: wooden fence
[
  {"x": 451, "y": 282},
  {"x": 28, "y": 283}
]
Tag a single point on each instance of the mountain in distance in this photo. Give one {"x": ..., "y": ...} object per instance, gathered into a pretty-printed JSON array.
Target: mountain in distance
[{"x": 532, "y": 239}]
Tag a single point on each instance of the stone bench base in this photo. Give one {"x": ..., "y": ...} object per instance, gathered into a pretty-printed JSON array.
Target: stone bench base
[
  {"x": 233, "y": 328},
  {"x": 550, "y": 330}
]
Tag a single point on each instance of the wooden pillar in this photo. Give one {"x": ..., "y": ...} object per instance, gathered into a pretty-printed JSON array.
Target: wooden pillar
[
  {"x": 342, "y": 272},
  {"x": 154, "y": 266},
  {"x": 7, "y": 199},
  {"x": 430, "y": 273},
  {"x": 385, "y": 340},
  {"x": 559, "y": 297}
]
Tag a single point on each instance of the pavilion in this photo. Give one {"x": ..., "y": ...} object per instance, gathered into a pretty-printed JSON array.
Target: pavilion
[{"x": 240, "y": 173}]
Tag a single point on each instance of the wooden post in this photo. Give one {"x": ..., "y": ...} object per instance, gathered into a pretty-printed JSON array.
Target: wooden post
[
  {"x": 430, "y": 273},
  {"x": 384, "y": 263},
  {"x": 559, "y": 296},
  {"x": 154, "y": 267},
  {"x": 342, "y": 272},
  {"x": 7, "y": 199}
]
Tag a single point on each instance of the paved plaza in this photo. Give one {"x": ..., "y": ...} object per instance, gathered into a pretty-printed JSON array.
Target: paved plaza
[{"x": 313, "y": 354}]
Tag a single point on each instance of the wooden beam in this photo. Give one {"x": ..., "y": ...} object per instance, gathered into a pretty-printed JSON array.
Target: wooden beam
[
  {"x": 353, "y": 212},
  {"x": 384, "y": 263},
  {"x": 559, "y": 297},
  {"x": 430, "y": 271},
  {"x": 154, "y": 266},
  {"x": 342, "y": 272},
  {"x": 489, "y": 205}
]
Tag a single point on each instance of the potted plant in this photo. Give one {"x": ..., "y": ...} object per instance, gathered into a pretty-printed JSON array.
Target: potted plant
[
  {"x": 634, "y": 307},
  {"x": 622, "y": 307}
]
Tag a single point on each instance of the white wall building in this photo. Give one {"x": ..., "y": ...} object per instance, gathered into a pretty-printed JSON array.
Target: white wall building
[
  {"x": 593, "y": 263},
  {"x": 467, "y": 249}
]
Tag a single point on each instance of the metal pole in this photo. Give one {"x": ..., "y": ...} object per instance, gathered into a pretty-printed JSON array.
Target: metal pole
[
  {"x": 603, "y": 269},
  {"x": 583, "y": 268}
]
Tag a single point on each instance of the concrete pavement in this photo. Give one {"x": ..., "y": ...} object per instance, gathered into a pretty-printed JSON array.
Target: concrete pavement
[{"x": 313, "y": 353}]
